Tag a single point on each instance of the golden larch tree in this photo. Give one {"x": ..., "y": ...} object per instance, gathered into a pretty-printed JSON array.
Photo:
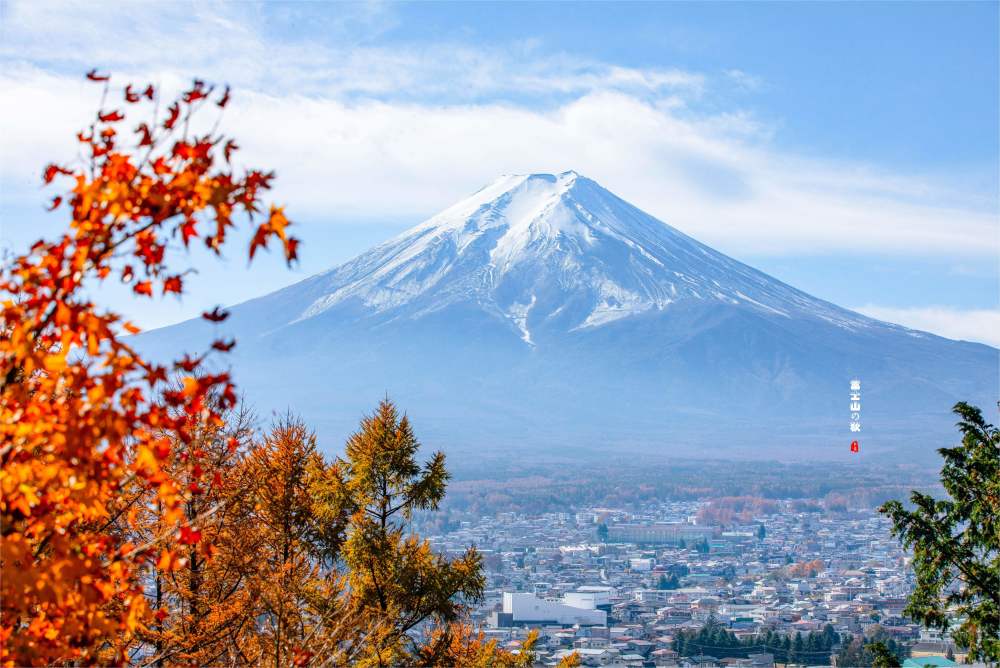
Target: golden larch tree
[{"x": 394, "y": 576}]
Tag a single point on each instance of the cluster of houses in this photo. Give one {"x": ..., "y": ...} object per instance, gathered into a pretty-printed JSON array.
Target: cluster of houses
[{"x": 618, "y": 587}]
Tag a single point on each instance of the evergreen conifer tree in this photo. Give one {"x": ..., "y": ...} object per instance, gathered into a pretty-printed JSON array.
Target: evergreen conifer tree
[{"x": 956, "y": 541}]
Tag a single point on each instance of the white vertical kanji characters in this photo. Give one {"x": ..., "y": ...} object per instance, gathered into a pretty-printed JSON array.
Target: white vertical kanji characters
[{"x": 855, "y": 407}]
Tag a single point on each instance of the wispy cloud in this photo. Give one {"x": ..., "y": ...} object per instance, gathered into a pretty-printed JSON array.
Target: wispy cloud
[
  {"x": 981, "y": 325},
  {"x": 229, "y": 42},
  {"x": 744, "y": 80}
]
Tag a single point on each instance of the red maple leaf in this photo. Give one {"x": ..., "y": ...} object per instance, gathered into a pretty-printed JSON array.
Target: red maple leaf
[
  {"x": 188, "y": 363},
  {"x": 189, "y": 228},
  {"x": 172, "y": 284},
  {"x": 230, "y": 146},
  {"x": 110, "y": 116},
  {"x": 189, "y": 536},
  {"x": 147, "y": 136},
  {"x": 223, "y": 346},
  {"x": 196, "y": 93},
  {"x": 175, "y": 112},
  {"x": 52, "y": 170},
  {"x": 215, "y": 315},
  {"x": 292, "y": 249}
]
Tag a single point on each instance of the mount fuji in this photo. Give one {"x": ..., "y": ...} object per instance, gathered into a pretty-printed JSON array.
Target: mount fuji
[{"x": 545, "y": 315}]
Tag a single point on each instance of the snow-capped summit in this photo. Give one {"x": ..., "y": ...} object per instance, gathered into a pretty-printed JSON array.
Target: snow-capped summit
[
  {"x": 544, "y": 312},
  {"x": 547, "y": 251}
]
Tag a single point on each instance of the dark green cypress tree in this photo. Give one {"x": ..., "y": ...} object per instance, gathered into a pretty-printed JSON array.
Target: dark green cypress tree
[
  {"x": 881, "y": 655},
  {"x": 602, "y": 532},
  {"x": 955, "y": 541},
  {"x": 830, "y": 636},
  {"x": 797, "y": 647}
]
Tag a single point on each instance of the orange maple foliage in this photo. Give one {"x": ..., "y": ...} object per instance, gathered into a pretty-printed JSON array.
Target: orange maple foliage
[
  {"x": 83, "y": 415},
  {"x": 805, "y": 569}
]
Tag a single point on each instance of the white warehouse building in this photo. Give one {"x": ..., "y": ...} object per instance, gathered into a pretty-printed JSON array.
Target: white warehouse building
[
  {"x": 526, "y": 609},
  {"x": 589, "y": 597}
]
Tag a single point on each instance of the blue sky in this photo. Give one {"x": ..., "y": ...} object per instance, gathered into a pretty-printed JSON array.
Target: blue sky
[
  {"x": 850, "y": 149},
  {"x": 901, "y": 84}
]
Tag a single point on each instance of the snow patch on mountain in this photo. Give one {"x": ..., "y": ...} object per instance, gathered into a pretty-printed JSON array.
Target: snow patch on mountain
[{"x": 519, "y": 314}]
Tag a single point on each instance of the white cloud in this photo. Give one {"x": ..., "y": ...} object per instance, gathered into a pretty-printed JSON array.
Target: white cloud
[
  {"x": 235, "y": 42},
  {"x": 981, "y": 325},
  {"x": 372, "y": 132}
]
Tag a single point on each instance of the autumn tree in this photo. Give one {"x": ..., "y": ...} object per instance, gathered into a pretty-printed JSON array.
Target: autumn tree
[
  {"x": 956, "y": 541},
  {"x": 202, "y": 594},
  {"x": 82, "y": 414},
  {"x": 340, "y": 581},
  {"x": 409, "y": 603},
  {"x": 805, "y": 569},
  {"x": 459, "y": 645},
  {"x": 394, "y": 577},
  {"x": 299, "y": 530}
]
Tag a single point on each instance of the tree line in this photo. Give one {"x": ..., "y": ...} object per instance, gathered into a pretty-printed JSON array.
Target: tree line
[
  {"x": 715, "y": 640},
  {"x": 300, "y": 557}
]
